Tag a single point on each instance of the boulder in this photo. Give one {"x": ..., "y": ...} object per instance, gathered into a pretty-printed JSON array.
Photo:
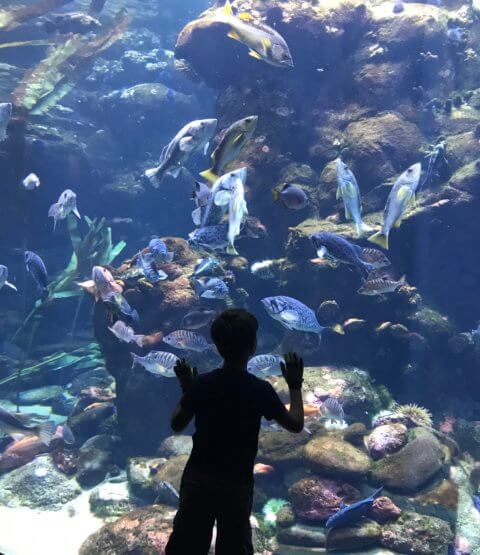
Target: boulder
[
  {"x": 387, "y": 439},
  {"x": 110, "y": 500},
  {"x": 419, "y": 534},
  {"x": 37, "y": 485},
  {"x": 281, "y": 449},
  {"x": 144, "y": 531},
  {"x": 95, "y": 457},
  {"x": 316, "y": 499},
  {"x": 98, "y": 377},
  {"x": 333, "y": 456},
  {"x": 40, "y": 395},
  {"x": 413, "y": 466},
  {"x": 302, "y": 536},
  {"x": 174, "y": 446},
  {"x": 365, "y": 534},
  {"x": 384, "y": 509},
  {"x": 90, "y": 422}
]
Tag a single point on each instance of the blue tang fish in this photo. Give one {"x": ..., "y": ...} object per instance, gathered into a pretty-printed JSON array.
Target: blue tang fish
[{"x": 351, "y": 514}]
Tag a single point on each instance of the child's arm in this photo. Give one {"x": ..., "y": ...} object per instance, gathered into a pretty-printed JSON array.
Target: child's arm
[
  {"x": 293, "y": 419},
  {"x": 183, "y": 412}
]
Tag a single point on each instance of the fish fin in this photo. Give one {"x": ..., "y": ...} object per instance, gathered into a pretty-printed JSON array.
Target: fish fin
[
  {"x": 209, "y": 175},
  {"x": 234, "y": 35},
  {"x": 254, "y": 54},
  {"x": 275, "y": 195},
  {"x": 46, "y": 431},
  {"x": 375, "y": 494},
  {"x": 197, "y": 216},
  {"x": 413, "y": 200},
  {"x": 403, "y": 192},
  {"x": 342, "y": 505},
  {"x": 402, "y": 280},
  {"x": 238, "y": 138},
  {"x": 152, "y": 176},
  {"x": 322, "y": 252},
  {"x": 8, "y": 284},
  {"x": 139, "y": 340},
  {"x": 227, "y": 8},
  {"x": 186, "y": 144},
  {"x": 398, "y": 223},
  {"x": 348, "y": 215},
  {"x": 245, "y": 16},
  {"x": 222, "y": 198},
  {"x": 206, "y": 147},
  {"x": 175, "y": 172},
  {"x": 339, "y": 193},
  {"x": 338, "y": 329},
  {"x": 362, "y": 229},
  {"x": 232, "y": 250},
  {"x": 267, "y": 44},
  {"x": 77, "y": 213},
  {"x": 380, "y": 239}
]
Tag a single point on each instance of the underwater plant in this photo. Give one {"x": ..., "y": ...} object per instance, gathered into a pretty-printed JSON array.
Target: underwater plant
[
  {"x": 271, "y": 509},
  {"x": 415, "y": 414}
]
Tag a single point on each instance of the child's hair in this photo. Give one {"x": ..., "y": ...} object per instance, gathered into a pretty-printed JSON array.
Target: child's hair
[{"x": 234, "y": 332}]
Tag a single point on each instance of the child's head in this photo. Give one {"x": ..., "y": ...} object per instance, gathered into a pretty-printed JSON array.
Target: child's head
[{"x": 234, "y": 333}]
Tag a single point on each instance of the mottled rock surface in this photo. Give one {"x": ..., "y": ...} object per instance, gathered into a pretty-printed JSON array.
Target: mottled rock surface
[
  {"x": 366, "y": 534},
  {"x": 387, "y": 439}
]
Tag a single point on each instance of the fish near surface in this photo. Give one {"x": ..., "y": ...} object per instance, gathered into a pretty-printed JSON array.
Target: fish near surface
[
  {"x": 232, "y": 143},
  {"x": 349, "y": 191},
  {"x": 351, "y": 514},
  {"x": 192, "y": 138},
  {"x": 4, "y": 278},
  {"x": 401, "y": 195},
  {"x": 37, "y": 269},
  {"x": 263, "y": 42}
]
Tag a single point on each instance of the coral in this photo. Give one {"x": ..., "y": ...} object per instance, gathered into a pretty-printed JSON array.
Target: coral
[
  {"x": 271, "y": 508},
  {"x": 414, "y": 415}
]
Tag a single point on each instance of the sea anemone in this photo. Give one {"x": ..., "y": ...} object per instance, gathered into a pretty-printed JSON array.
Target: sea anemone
[
  {"x": 414, "y": 414},
  {"x": 271, "y": 508}
]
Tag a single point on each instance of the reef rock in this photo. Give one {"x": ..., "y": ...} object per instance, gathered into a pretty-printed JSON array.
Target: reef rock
[
  {"x": 419, "y": 534},
  {"x": 40, "y": 395},
  {"x": 366, "y": 534},
  {"x": 333, "y": 456},
  {"x": 281, "y": 448},
  {"x": 174, "y": 446},
  {"x": 110, "y": 500},
  {"x": 38, "y": 484},
  {"x": 90, "y": 422},
  {"x": 413, "y": 466},
  {"x": 95, "y": 457},
  {"x": 384, "y": 509},
  {"x": 98, "y": 377},
  {"x": 302, "y": 536},
  {"x": 387, "y": 439},
  {"x": 144, "y": 531},
  {"x": 316, "y": 499}
]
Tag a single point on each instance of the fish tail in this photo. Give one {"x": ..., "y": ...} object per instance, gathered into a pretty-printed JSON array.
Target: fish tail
[
  {"x": 377, "y": 493},
  {"x": 8, "y": 284},
  {"x": 380, "y": 238},
  {"x": 232, "y": 250},
  {"x": 362, "y": 228},
  {"x": 338, "y": 329},
  {"x": 45, "y": 431},
  {"x": 135, "y": 360},
  {"x": 209, "y": 175},
  {"x": 139, "y": 340},
  {"x": 153, "y": 175},
  {"x": 275, "y": 195}
]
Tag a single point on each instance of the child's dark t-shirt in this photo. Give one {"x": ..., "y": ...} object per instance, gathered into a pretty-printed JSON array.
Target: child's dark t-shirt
[{"x": 228, "y": 407}]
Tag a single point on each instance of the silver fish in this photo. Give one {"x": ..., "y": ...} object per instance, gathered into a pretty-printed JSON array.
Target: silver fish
[
  {"x": 401, "y": 195},
  {"x": 186, "y": 340},
  {"x": 263, "y": 269},
  {"x": 126, "y": 334},
  {"x": 208, "y": 266},
  {"x": 158, "y": 363},
  {"x": 212, "y": 288},
  {"x": 4, "y": 278},
  {"x": 380, "y": 286},
  {"x": 237, "y": 211},
  {"x": 31, "y": 182},
  {"x": 192, "y": 138},
  {"x": 147, "y": 264},
  {"x": 197, "y": 319},
  {"x": 331, "y": 409},
  {"x": 66, "y": 204},
  {"x": 265, "y": 365},
  {"x": 201, "y": 196},
  {"x": 349, "y": 191}
]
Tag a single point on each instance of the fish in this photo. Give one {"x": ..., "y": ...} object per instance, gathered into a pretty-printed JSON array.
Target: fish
[
  {"x": 192, "y": 138},
  {"x": 12, "y": 425},
  {"x": 263, "y": 42},
  {"x": 401, "y": 195},
  {"x": 66, "y": 204},
  {"x": 197, "y": 319},
  {"x": 103, "y": 283},
  {"x": 263, "y": 269},
  {"x": 31, "y": 182},
  {"x": 147, "y": 264},
  {"x": 234, "y": 139},
  {"x": 74, "y": 22},
  {"x": 212, "y": 288},
  {"x": 349, "y": 191},
  {"x": 331, "y": 409},
  {"x": 375, "y": 257},
  {"x": 212, "y": 237},
  {"x": 118, "y": 305},
  {"x": 159, "y": 251},
  {"x": 292, "y": 314},
  {"x": 37, "y": 269},
  {"x": 351, "y": 514},
  {"x": 201, "y": 195},
  {"x": 292, "y": 196},
  {"x": 4, "y": 278},
  {"x": 5, "y": 116},
  {"x": 265, "y": 365},
  {"x": 187, "y": 340},
  {"x": 158, "y": 363},
  {"x": 126, "y": 334},
  {"x": 341, "y": 250},
  {"x": 208, "y": 266},
  {"x": 237, "y": 213},
  {"x": 261, "y": 468},
  {"x": 380, "y": 286}
]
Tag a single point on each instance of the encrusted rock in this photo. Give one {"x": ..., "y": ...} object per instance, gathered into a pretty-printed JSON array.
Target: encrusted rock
[
  {"x": 40, "y": 395},
  {"x": 366, "y": 534},
  {"x": 281, "y": 448},
  {"x": 387, "y": 439},
  {"x": 302, "y": 535},
  {"x": 95, "y": 457},
  {"x": 333, "y": 456},
  {"x": 384, "y": 509},
  {"x": 174, "y": 446},
  {"x": 110, "y": 500}
]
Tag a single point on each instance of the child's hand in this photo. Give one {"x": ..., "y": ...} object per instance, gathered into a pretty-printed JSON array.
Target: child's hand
[
  {"x": 292, "y": 370},
  {"x": 185, "y": 374}
]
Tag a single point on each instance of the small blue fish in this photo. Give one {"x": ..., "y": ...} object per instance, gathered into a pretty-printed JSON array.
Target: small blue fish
[
  {"x": 36, "y": 268},
  {"x": 351, "y": 514},
  {"x": 211, "y": 237}
]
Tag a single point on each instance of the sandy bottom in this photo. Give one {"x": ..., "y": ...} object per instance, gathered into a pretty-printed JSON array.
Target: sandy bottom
[{"x": 34, "y": 532}]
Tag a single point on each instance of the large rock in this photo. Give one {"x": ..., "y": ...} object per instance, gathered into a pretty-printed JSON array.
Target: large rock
[
  {"x": 280, "y": 448},
  {"x": 91, "y": 422},
  {"x": 366, "y": 534},
  {"x": 419, "y": 534},
  {"x": 95, "y": 457},
  {"x": 387, "y": 439},
  {"x": 174, "y": 446},
  {"x": 317, "y": 499},
  {"x": 38, "y": 484},
  {"x": 302, "y": 536},
  {"x": 40, "y": 395},
  {"x": 144, "y": 531},
  {"x": 333, "y": 456},
  {"x": 413, "y": 466}
]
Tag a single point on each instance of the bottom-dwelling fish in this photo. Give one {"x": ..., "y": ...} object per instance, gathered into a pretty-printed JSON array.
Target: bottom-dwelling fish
[{"x": 351, "y": 514}]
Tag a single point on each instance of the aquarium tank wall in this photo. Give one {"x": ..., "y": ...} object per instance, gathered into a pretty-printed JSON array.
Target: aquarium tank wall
[{"x": 316, "y": 162}]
